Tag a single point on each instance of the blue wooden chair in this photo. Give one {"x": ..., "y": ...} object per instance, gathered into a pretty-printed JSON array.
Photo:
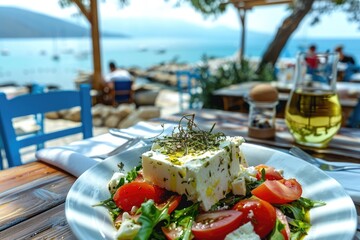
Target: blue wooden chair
[
  {"x": 39, "y": 122},
  {"x": 123, "y": 92},
  {"x": 354, "y": 120},
  {"x": 188, "y": 84},
  {"x": 32, "y": 104}
]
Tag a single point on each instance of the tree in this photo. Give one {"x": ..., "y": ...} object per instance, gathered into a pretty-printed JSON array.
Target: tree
[
  {"x": 299, "y": 10},
  {"x": 89, "y": 8}
]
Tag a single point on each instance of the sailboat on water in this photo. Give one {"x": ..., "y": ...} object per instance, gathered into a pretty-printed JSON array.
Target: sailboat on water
[
  {"x": 55, "y": 56},
  {"x": 4, "y": 51}
]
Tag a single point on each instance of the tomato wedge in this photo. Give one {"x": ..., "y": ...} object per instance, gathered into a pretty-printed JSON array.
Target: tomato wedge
[
  {"x": 133, "y": 194},
  {"x": 172, "y": 233},
  {"x": 270, "y": 172},
  {"x": 282, "y": 218},
  {"x": 173, "y": 202},
  {"x": 260, "y": 213},
  {"x": 278, "y": 191},
  {"x": 216, "y": 225}
]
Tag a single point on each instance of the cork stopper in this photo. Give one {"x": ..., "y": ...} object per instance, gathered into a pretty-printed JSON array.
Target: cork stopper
[{"x": 263, "y": 92}]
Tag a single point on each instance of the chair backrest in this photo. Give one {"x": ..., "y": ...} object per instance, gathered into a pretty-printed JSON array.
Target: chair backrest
[
  {"x": 188, "y": 82},
  {"x": 354, "y": 120},
  {"x": 36, "y": 128},
  {"x": 123, "y": 92},
  {"x": 41, "y": 103}
]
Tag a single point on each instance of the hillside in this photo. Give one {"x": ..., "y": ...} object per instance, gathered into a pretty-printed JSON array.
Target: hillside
[
  {"x": 174, "y": 28},
  {"x": 20, "y": 23}
]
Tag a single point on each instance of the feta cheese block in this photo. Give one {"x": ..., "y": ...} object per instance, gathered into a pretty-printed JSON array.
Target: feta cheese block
[{"x": 205, "y": 177}]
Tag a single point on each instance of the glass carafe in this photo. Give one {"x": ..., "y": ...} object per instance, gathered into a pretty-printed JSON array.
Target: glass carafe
[{"x": 313, "y": 111}]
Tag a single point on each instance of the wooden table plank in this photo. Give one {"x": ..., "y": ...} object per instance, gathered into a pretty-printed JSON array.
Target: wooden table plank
[
  {"x": 14, "y": 177},
  {"x": 51, "y": 224},
  {"x": 35, "y": 189}
]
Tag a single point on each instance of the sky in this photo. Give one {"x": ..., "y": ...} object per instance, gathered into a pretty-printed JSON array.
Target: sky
[{"x": 261, "y": 19}]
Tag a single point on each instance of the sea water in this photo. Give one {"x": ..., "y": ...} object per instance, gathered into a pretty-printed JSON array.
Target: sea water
[{"x": 59, "y": 61}]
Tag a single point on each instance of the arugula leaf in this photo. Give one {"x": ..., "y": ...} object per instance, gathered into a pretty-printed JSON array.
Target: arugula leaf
[
  {"x": 132, "y": 174},
  {"x": 276, "y": 232},
  {"x": 185, "y": 218},
  {"x": 298, "y": 229},
  {"x": 297, "y": 209},
  {"x": 230, "y": 200},
  {"x": 309, "y": 203},
  {"x": 110, "y": 205},
  {"x": 187, "y": 223},
  {"x": 293, "y": 211},
  {"x": 250, "y": 185},
  {"x": 149, "y": 218},
  {"x": 191, "y": 211}
]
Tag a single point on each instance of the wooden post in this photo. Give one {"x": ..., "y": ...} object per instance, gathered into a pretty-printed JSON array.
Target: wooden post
[
  {"x": 242, "y": 16},
  {"x": 96, "y": 44}
]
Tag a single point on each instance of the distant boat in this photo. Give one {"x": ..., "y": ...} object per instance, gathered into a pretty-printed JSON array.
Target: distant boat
[
  {"x": 68, "y": 51},
  {"x": 82, "y": 55},
  {"x": 56, "y": 57},
  {"x": 42, "y": 52},
  {"x": 143, "y": 49},
  {"x": 161, "y": 51},
  {"x": 4, "y": 52}
]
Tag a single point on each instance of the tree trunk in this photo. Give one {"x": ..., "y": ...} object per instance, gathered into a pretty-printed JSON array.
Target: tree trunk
[
  {"x": 92, "y": 16},
  {"x": 242, "y": 18},
  {"x": 96, "y": 45},
  {"x": 289, "y": 25}
]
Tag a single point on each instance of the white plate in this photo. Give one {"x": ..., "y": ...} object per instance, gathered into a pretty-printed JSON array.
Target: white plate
[{"x": 336, "y": 220}]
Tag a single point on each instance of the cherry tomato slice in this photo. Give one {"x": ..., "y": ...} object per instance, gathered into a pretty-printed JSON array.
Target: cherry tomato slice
[
  {"x": 172, "y": 233},
  {"x": 216, "y": 225},
  {"x": 133, "y": 194},
  {"x": 260, "y": 213},
  {"x": 270, "y": 173},
  {"x": 278, "y": 191},
  {"x": 282, "y": 218},
  {"x": 173, "y": 202}
]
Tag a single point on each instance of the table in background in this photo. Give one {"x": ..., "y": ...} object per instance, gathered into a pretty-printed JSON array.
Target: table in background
[
  {"x": 233, "y": 97},
  {"x": 13, "y": 91},
  {"x": 33, "y": 195}
]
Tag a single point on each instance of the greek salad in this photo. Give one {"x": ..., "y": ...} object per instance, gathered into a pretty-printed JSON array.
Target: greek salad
[{"x": 196, "y": 184}]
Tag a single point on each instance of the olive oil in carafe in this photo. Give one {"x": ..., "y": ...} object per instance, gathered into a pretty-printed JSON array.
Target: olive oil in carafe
[{"x": 313, "y": 117}]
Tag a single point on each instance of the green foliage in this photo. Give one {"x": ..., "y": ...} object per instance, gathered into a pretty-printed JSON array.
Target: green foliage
[
  {"x": 67, "y": 3},
  {"x": 226, "y": 75}
]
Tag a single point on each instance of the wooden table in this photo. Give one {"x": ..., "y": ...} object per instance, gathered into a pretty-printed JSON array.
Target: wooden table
[
  {"x": 233, "y": 97},
  {"x": 32, "y": 196}
]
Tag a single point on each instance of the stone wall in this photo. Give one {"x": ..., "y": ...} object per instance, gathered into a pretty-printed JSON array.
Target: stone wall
[{"x": 123, "y": 116}]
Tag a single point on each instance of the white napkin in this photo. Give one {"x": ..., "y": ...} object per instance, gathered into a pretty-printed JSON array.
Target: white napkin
[
  {"x": 75, "y": 158},
  {"x": 348, "y": 179}
]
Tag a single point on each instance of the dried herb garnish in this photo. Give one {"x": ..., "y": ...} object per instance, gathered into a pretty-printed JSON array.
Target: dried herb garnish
[{"x": 188, "y": 138}]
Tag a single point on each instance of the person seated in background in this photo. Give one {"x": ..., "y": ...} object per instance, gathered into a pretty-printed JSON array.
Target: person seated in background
[
  {"x": 311, "y": 59},
  {"x": 343, "y": 57},
  {"x": 347, "y": 65},
  {"x": 115, "y": 74},
  {"x": 313, "y": 64}
]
